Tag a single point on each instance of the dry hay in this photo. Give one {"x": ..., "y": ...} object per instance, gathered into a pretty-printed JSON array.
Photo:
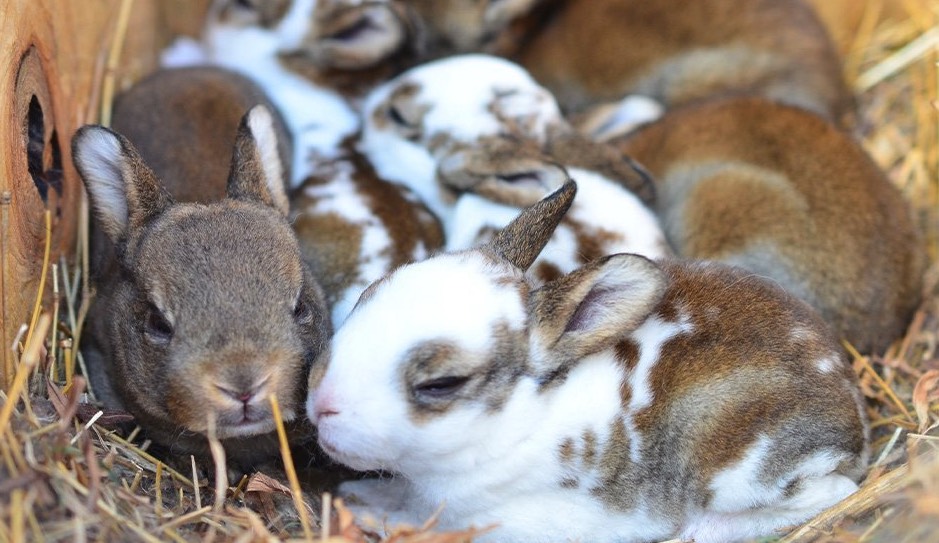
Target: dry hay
[{"x": 65, "y": 474}]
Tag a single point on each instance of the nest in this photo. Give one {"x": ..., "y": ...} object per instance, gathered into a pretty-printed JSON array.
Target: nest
[{"x": 67, "y": 472}]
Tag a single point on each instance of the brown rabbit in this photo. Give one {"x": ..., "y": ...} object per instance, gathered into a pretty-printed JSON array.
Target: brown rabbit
[
  {"x": 183, "y": 123},
  {"x": 591, "y": 52},
  {"x": 203, "y": 309},
  {"x": 678, "y": 52},
  {"x": 783, "y": 193}
]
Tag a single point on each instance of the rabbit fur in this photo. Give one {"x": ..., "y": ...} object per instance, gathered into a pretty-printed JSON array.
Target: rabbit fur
[
  {"x": 788, "y": 196},
  {"x": 203, "y": 307},
  {"x": 478, "y": 154},
  {"x": 630, "y": 400}
]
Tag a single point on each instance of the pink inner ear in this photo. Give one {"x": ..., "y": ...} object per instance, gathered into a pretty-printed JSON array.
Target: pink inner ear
[{"x": 598, "y": 303}]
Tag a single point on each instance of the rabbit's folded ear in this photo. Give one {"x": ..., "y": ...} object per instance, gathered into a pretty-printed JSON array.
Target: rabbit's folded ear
[
  {"x": 257, "y": 173},
  {"x": 588, "y": 310},
  {"x": 124, "y": 192},
  {"x": 524, "y": 238}
]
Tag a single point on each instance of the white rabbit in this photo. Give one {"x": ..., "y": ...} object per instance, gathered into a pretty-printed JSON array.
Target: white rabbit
[
  {"x": 628, "y": 401},
  {"x": 477, "y": 139}
]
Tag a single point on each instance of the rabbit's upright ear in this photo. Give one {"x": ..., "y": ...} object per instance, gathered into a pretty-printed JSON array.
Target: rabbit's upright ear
[
  {"x": 590, "y": 309},
  {"x": 257, "y": 173},
  {"x": 524, "y": 238},
  {"x": 124, "y": 192}
]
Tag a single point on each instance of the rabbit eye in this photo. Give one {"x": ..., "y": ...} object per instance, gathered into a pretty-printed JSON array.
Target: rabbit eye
[
  {"x": 157, "y": 329},
  {"x": 395, "y": 115},
  {"x": 409, "y": 129},
  {"x": 441, "y": 387}
]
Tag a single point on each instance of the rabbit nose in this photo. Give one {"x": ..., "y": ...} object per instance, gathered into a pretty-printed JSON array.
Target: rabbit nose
[
  {"x": 323, "y": 407},
  {"x": 243, "y": 396}
]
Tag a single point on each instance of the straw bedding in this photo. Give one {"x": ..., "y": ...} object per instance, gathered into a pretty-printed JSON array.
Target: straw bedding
[{"x": 71, "y": 473}]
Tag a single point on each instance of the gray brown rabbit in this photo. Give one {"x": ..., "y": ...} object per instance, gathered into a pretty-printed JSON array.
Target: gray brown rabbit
[{"x": 203, "y": 305}]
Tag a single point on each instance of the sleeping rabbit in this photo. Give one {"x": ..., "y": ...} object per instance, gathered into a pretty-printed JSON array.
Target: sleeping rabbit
[
  {"x": 593, "y": 52},
  {"x": 628, "y": 401},
  {"x": 203, "y": 306},
  {"x": 788, "y": 196},
  {"x": 477, "y": 139}
]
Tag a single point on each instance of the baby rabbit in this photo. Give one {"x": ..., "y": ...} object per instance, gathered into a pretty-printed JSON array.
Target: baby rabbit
[
  {"x": 629, "y": 401},
  {"x": 354, "y": 228},
  {"x": 476, "y": 156},
  {"x": 202, "y": 309},
  {"x": 788, "y": 196},
  {"x": 590, "y": 52}
]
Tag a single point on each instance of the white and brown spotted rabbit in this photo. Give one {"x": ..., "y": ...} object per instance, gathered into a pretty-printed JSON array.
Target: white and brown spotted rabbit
[{"x": 629, "y": 401}]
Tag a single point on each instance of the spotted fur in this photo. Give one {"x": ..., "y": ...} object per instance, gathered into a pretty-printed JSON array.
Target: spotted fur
[
  {"x": 479, "y": 152},
  {"x": 644, "y": 400}
]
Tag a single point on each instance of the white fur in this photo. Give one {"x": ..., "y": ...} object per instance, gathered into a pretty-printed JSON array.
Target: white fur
[
  {"x": 601, "y": 206},
  {"x": 261, "y": 125},
  {"x": 99, "y": 158},
  {"x": 625, "y": 116},
  {"x": 376, "y": 442},
  {"x": 829, "y": 364},
  {"x": 341, "y": 197},
  {"x": 462, "y": 94}
]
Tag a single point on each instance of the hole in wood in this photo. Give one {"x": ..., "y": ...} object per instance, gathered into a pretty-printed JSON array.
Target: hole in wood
[{"x": 45, "y": 170}]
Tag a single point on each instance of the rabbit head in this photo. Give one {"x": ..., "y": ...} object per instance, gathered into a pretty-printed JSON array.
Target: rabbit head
[
  {"x": 414, "y": 120},
  {"x": 329, "y": 34},
  {"x": 209, "y": 309},
  {"x": 418, "y": 353}
]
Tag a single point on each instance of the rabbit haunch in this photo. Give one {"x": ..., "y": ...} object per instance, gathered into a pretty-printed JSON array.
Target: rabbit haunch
[
  {"x": 205, "y": 308},
  {"x": 778, "y": 191},
  {"x": 671, "y": 50},
  {"x": 478, "y": 152},
  {"x": 627, "y": 401}
]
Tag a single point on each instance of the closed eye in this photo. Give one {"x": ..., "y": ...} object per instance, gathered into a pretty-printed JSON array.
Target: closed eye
[{"x": 440, "y": 388}]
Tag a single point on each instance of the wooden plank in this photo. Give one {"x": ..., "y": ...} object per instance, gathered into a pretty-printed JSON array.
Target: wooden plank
[{"x": 51, "y": 66}]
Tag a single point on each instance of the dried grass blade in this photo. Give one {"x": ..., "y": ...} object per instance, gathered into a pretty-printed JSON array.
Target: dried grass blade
[
  {"x": 27, "y": 363},
  {"x": 289, "y": 468}
]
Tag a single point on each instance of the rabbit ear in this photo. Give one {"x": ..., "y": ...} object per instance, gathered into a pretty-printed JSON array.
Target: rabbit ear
[
  {"x": 257, "y": 173},
  {"x": 124, "y": 192},
  {"x": 589, "y": 309},
  {"x": 524, "y": 238}
]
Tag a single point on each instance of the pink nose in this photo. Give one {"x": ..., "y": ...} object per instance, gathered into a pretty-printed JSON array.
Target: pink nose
[{"x": 324, "y": 406}]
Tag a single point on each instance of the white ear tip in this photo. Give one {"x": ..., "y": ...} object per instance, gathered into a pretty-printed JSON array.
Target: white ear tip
[
  {"x": 99, "y": 157},
  {"x": 261, "y": 125},
  {"x": 260, "y": 120}
]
